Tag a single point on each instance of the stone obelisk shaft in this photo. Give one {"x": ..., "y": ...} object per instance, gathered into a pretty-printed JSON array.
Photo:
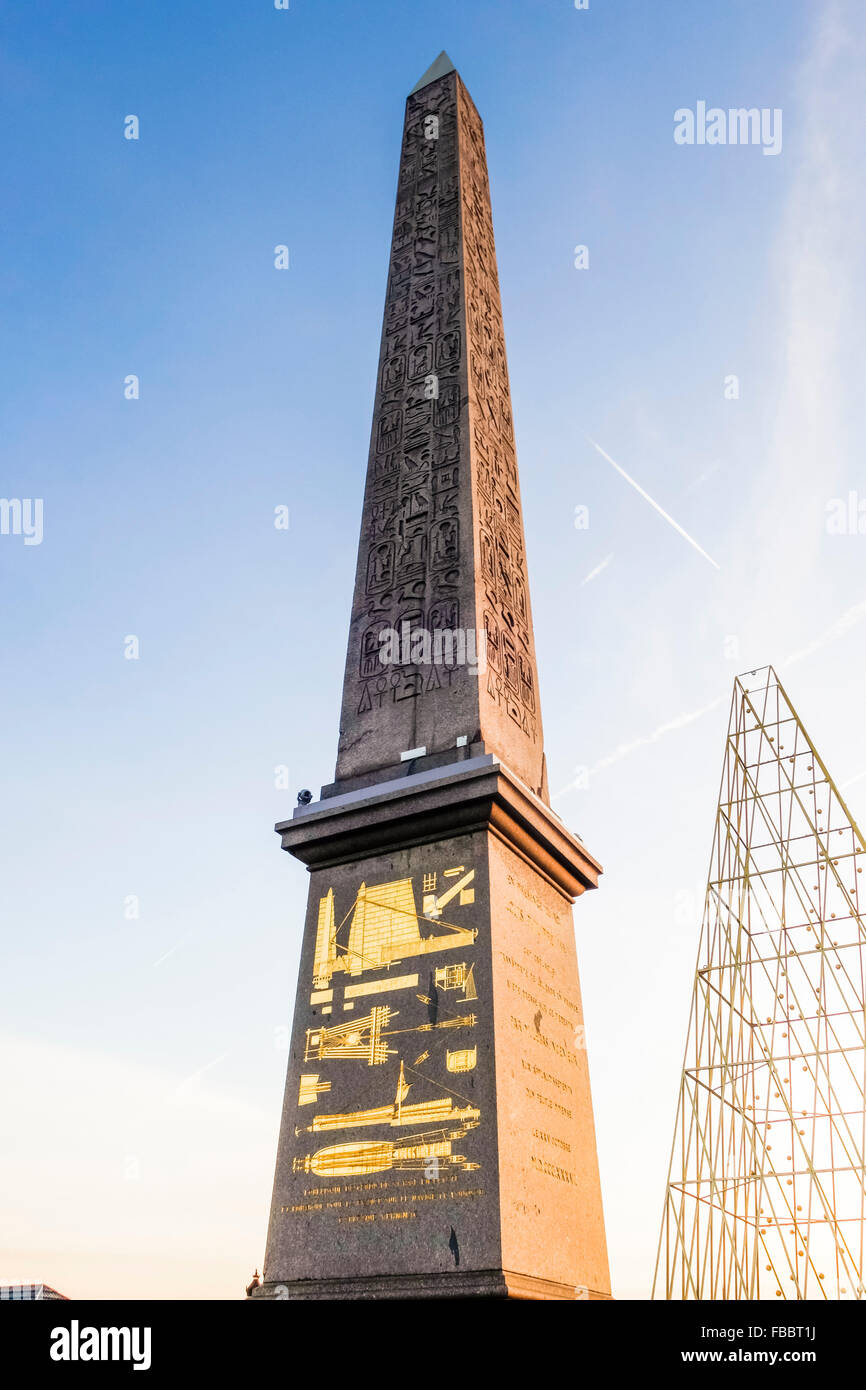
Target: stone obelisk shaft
[{"x": 442, "y": 546}]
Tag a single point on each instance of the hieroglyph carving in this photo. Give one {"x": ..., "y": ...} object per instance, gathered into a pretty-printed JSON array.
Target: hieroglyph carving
[
  {"x": 411, "y": 535},
  {"x": 511, "y": 676},
  {"x": 443, "y": 352}
]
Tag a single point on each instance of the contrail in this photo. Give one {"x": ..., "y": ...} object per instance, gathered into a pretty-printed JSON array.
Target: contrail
[
  {"x": 661, "y": 511},
  {"x": 167, "y": 954},
  {"x": 842, "y": 625},
  {"x": 184, "y": 1087},
  {"x": 623, "y": 750},
  {"x": 593, "y": 574},
  {"x": 848, "y": 619}
]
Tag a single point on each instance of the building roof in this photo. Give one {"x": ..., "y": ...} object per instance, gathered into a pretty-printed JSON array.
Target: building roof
[{"x": 29, "y": 1292}]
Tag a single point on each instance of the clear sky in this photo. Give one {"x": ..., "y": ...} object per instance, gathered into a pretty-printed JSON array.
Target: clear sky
[{"x": 144, "y": 1058}]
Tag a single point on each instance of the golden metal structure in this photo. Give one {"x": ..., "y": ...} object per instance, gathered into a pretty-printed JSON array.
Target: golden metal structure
[{"x": 765, "y": 1195}]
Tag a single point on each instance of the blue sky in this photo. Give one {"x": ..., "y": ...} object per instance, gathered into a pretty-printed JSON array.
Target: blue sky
[{"x": 149, "y": 1054}]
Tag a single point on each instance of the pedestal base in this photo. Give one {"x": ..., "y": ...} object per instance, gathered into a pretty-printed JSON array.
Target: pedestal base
[
  {"x": 494, "y": 1283},
  {"x": 437, "y": 1138}
]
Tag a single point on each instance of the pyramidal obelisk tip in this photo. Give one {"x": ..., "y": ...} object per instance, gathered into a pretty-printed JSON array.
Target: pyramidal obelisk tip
[{"x": 442, "y": 65}]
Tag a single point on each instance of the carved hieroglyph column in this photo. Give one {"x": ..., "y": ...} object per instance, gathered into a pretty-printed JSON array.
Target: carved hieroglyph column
[
  {"x": 442, "y": 546},
  {"x": 437, "y": 1134}
]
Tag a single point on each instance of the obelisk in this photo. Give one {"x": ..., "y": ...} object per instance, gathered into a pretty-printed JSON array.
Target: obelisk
[{"x": 437, "y": 1135}]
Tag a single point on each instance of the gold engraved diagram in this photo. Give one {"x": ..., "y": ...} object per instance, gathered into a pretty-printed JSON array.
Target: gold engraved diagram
[
  {"x": 311, "y": 1088},
  {"x": 397, "y": 1113},
  {"x": 378, "y": 1156},
  {"x": 381, "y": 928},
  {"x": 385, "y": 928},
  {"x": 363, "y": 1038},
  {"x": 457, "y": 977},
  {"x": 464, "y": 1060}
]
